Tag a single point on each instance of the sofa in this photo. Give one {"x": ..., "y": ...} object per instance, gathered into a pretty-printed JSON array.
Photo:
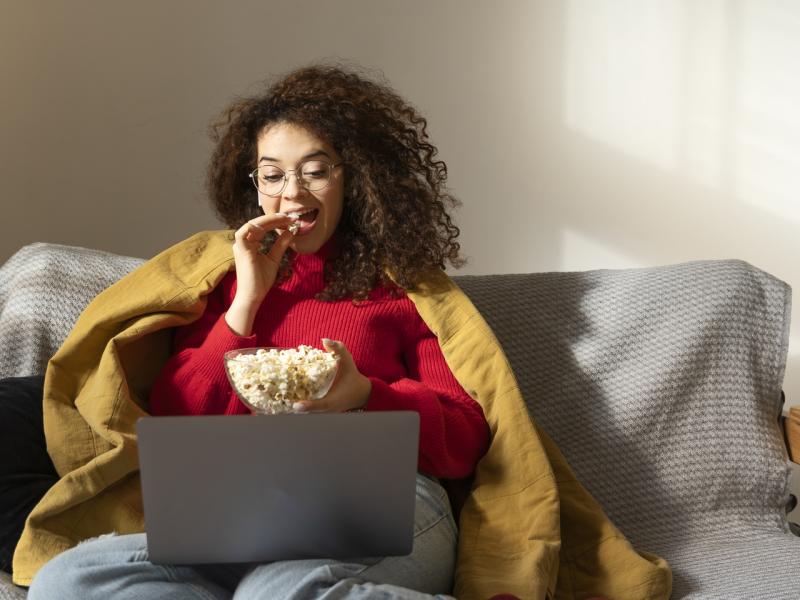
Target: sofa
[{"x": 661, "y": 386}]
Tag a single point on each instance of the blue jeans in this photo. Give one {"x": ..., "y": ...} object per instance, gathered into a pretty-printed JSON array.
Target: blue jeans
[{"x": 117, "y": 567}]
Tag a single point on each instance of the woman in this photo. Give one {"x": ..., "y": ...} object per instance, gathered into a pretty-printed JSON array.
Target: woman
[{"x": 339, "y": 207}]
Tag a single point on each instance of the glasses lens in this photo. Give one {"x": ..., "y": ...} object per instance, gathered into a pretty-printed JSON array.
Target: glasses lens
[
  {"x": 315, "y": 174},
  {"x": 269, "y": 180}
]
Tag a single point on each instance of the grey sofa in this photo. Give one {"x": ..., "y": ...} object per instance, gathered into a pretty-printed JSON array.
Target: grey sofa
[{"x": 662, "y": 386}]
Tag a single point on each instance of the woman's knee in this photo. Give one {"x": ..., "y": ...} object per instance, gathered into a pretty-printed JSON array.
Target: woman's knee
[
  {"x": 74, "y": 572},
  {"x": 432, "y": 510},
  {"x": 61, "y": 577}
]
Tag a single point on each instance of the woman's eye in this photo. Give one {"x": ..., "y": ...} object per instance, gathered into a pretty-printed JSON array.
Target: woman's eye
[
  {"x": 272, "y": 178},
  {"x": 314, "y": 174}
]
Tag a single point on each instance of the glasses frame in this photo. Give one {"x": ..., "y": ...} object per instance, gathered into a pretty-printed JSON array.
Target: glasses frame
[{"x": 296, "y": 172}]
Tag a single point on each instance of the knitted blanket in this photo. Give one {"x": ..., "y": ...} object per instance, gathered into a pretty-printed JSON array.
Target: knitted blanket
[
  {"x": 43, "y": 289},
  {"x": 662, "y": 387}
]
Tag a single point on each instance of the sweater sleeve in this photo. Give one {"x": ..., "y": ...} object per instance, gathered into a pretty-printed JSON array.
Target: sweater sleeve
[
  {"x": 454, "y": 434},
  {"x": 193, "y": 380}
]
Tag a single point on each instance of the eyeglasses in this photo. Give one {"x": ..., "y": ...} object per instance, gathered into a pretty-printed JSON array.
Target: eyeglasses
[{"x": 313, "y": 175}]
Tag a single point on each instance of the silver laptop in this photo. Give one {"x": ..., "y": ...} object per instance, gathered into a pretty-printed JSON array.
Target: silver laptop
[{"x": 221, "y": 489}]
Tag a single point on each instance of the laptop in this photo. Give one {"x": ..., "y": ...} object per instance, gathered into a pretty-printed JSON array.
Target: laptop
[{"x": 256, "y": 488}]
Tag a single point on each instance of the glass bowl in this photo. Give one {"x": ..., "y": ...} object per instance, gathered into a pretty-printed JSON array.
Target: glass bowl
[{"x": 270, "y": 380}]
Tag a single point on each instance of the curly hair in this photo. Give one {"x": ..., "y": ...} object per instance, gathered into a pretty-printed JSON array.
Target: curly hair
[{"x": 395, "y": 215}]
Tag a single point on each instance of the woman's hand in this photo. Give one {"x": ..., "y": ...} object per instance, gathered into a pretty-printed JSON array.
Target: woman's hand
[
  {"x": 350, "y": 390},
  {"x": 255, "y": 272}
]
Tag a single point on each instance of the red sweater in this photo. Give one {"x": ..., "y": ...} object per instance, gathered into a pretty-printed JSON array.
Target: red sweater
[{"x": 388, "y": 340}]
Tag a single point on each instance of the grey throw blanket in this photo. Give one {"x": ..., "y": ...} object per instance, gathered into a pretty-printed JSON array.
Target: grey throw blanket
[
  {"x": 661, "y": 386},
  {"x": 43, "y": 289}
]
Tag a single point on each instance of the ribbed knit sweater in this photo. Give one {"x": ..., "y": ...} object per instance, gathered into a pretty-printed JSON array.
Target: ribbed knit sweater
[{"x": 388, "y": 340}]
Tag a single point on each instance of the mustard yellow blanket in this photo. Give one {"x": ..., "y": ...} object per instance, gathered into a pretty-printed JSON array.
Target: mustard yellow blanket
[{"x": 527, "y": 527}]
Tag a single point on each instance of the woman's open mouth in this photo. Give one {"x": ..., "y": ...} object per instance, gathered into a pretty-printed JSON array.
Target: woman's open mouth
[{"x": 306, "y": 220}]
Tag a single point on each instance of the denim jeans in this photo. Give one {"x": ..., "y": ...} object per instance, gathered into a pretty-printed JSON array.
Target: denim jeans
[{"x": 117, "y": 567}]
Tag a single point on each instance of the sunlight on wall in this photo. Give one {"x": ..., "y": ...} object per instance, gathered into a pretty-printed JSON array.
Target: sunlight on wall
[
  {"x": 708, "y": 93},
  {"x": 708, "y": 90},
  {"x": 767, "y": 128},
  {"x": 794, "y": 345},
  {"x": 622, "y": 97},
  {"x": 579, "y": 253}
]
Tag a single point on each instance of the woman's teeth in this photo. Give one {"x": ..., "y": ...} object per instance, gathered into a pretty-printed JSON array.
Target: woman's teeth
[
  {"x": 297, "y": 215},
  {"x": 298, "y": 218}
]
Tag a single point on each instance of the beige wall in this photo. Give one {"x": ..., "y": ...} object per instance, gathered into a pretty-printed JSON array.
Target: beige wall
[{"x": 579, "y": 134}]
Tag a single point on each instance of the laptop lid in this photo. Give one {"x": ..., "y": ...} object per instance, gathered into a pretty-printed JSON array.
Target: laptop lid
[{"x": 262, "y": 488}]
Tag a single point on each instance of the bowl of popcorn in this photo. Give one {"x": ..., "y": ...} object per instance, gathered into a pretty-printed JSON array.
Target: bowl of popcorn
[{"x": 270, "y": 380}]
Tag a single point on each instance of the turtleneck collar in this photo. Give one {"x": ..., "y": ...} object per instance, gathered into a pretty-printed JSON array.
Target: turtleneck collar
[{"x": 307, "y": 269}]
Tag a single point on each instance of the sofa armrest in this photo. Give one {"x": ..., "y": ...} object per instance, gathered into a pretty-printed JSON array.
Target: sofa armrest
[
  {"x": 790, "y": 425},
  {"x": 791, "y": 432}
]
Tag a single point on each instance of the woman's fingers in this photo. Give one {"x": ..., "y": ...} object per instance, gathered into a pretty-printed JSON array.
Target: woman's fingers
[
  {"x": 271, "y": 220},
  {"x": 278, "y": 249},
  {"x": 256, "y": 272},
  {"x": 338, "y": 348},
  {"x": 332, "y": 400},
  {"x": 350, "y": 390},
  {"x": 249, "y": 236},
  {"x": 255, "y": 230},
  {"x": 246, "y": 231}
]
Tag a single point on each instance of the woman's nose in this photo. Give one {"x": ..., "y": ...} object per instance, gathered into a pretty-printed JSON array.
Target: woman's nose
[{"x": 293, "y": 187}]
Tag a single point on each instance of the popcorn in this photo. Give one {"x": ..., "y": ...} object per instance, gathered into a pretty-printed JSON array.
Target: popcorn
[
  {"x": 271, "y": 380},
  {"x": 294, "y": 226}
]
